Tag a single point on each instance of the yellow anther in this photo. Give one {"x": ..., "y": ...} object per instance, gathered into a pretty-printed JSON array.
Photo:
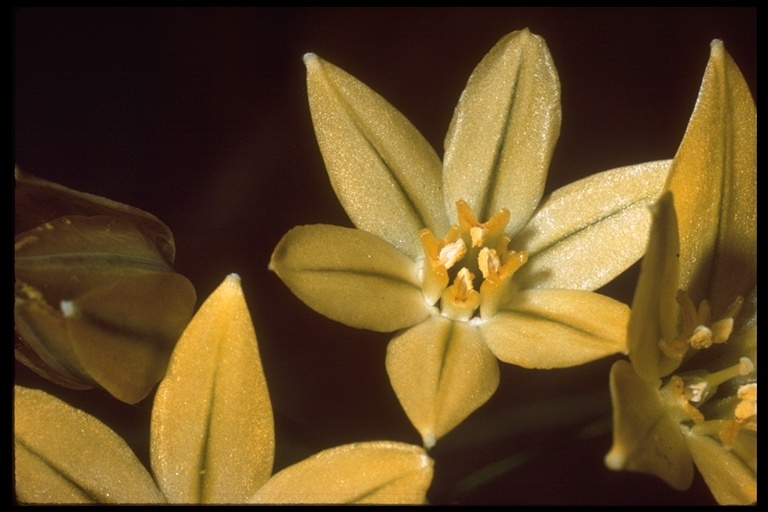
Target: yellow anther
[
  {"x": 460, "y": 300},
  {"x": 698, "y": 331},
  {"x": 480, "y": 232},
  {"x": 451, "y": 253}
]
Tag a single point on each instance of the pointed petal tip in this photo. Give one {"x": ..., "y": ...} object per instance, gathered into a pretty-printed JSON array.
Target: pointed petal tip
[
  {"x": 717, "y": 48},
  {"x": 310, "y": 58},
  {"x": 234, "y": 278},
  {"x": 614, "y": 461}
]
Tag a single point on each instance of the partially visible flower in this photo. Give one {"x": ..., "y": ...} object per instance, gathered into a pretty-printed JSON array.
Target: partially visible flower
[
  {"x": 98, "y": 303},
  {"x": 689, "y": 393},
  {"x": 461, "y": 256},
  {"x": 211, "y": 440}
]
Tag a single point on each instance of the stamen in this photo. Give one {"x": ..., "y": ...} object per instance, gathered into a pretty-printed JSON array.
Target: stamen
[
  {"x": 698, "y": 331},
  {"x": 460, "y": 300}
]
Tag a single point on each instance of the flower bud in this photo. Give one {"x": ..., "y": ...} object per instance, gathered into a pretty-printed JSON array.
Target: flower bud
[{"x": 98, "y": 303}]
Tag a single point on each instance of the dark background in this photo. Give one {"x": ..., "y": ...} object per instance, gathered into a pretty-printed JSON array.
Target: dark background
[{"x": 200, "y": 117}]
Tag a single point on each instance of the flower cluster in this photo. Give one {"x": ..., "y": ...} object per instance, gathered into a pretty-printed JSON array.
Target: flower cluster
[{"x": 463, "y": 258}]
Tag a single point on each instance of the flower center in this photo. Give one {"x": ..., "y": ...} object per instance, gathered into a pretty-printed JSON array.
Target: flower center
[
  {"x": 472, "y": 256},
  {"x": 693, "y": 393}
]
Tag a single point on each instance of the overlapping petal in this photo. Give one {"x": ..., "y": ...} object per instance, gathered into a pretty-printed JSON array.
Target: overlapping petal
[
  {"x": 212, "y": 438},
  {"x": 646, "y": 438},
  {"x": 351, "y": 276},
  {"x": 441, "y": 371},
  {"x": 380, "y": 472},
  {"x": 654, "y": 308},
  {"x": 64, "y": 455},
  {"x": 714, "y": 179},
  {"x": 731, "y": 475},
  {"x": 384, "y": 172},
  {"x": 585, "y": 234},
  {"x": 557, "y": 328},
  {"x": 503, "y": 131}
]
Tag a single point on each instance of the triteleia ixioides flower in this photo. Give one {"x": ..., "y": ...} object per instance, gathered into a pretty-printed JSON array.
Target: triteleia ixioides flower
[
  {"x": 461, "y": 257},
  {"x": 211, "y": 440},
  {"x": 688, "y": 395}
]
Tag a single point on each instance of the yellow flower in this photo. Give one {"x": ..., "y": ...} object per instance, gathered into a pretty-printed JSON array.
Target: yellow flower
[
  {"x": 689, "y": 395},
  {"x": 212, "y": 436},
  {"x": 462, "y": 257},
  {"x": 98, "y": 303}
]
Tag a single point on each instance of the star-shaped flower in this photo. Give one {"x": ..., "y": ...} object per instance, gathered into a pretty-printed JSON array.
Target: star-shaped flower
[
  {"x": 212, "y": 436},
  {"x": 689, "y": 393},
  {"x": 461, "y": 257}
]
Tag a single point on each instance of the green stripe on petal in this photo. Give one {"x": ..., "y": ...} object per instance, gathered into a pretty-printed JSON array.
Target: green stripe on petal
[
  {"x": 351, "y": 276},
  {"x": 714, "y": 179},
  {"x": 380, "y": 472},
  {"x": 557, "y": 329},
  {"x": 63, "y": 455},
  {"x": 384, "y": 172},
  {"x": 586, "y": 233},
  {"x": 441, "y": 371},
  {"x": 212, "y": 433},
  {"x": 504, "y": 129}
]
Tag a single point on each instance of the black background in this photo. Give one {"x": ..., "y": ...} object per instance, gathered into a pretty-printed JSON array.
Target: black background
[{"x": 200, "y": 117}]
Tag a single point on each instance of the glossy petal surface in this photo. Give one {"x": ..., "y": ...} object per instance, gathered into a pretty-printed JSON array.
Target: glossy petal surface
[
  {"x": 384, "y": 172},
  {"x": 557, "y": 328},
  {"x": 77, "y": 460},
  {"x": 441, "y": 371},
  {"x": 503, "y": 131},
  {"x": 351, "y": 276},
  {"x": 586, "y": 233},
  {"x": 212, "y": 437},
  {"x": 714, "y": 180},
  {"x": 380, "y": 472}
]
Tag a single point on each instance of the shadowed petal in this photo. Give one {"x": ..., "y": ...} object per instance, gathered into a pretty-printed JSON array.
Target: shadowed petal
[
  {"x": 586, "y": 233},
  {"x": 77, "y": 459},
  {"x": 503, "y": 131},
  {"x": 557, "y": 329},
  {"x": 654, "y": 308},
  {"x": 212, "y": 435},
  {"x": 731, "y": 475},
  {"x": 645, "y": 438},
  {"x": 441, "y": 371},
  {"x": 380, "y": 472},
  {"x": 384, "y": 172},
  {"x": 351, "y": 276},
  {"x": 714, "y": 179}
]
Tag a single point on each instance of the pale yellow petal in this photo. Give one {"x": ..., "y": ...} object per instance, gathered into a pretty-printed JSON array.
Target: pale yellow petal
[
  {"x": 351, "y": 276},
  {"x": 503, "y": 132},
  {"x": 441, "y": 371},
  {"x": 588, "y": 232},
  {"x": 557, "y": 329},
  {"x": 212, "y": 435},
  {"x": 645, "y": 438},
  {"x": 63, "y": 455},
  {"x": 380, "y": 472},
  {"x": 384, "y": 172},
  {"x": 654, "y": 314},
  {"x": 714, "y": 179},
  {"x": 731, "y": 475}
]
